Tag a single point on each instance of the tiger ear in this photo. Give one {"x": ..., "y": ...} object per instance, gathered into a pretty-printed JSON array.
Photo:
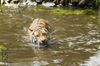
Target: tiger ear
[{"x": 48, "y": 27}]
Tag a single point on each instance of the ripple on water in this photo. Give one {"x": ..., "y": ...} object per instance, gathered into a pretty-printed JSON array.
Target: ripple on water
[
  {"x": 40, "y": 63},
  {"x": 93, "y": 32},
  {"x": 93, "y": 61},
  {"x": 57, "y": 61},
  {"x": 34, "y": 63}
]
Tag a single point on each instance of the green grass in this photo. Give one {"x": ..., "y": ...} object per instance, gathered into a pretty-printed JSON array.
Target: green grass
[
  {"x": 61, "y": 11},
  {"x": 38, "y": 9},
  {"x": 2, "y": 48}
]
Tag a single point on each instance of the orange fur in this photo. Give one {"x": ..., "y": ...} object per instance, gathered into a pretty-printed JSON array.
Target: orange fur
[{"x": 39, "y": 31}]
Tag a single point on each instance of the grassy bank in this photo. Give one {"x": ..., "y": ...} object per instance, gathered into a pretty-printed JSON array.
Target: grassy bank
[{"x": 60, "y": 11}]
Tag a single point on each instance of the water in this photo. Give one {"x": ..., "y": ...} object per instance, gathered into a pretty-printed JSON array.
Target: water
[{"x": 75, "y": 39}]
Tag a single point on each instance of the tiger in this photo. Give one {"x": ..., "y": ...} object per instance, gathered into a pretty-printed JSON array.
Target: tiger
[{"x": 39, "y": 32}]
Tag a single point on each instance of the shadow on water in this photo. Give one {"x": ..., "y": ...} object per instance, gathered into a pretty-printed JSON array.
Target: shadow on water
[{"x": 77, "y": 38}]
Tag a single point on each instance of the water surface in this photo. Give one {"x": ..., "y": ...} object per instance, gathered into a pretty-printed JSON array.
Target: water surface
[{"x": 76, "y": 38}]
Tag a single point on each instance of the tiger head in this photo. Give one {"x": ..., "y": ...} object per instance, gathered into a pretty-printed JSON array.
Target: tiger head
[{"x": 40, "y": 36}]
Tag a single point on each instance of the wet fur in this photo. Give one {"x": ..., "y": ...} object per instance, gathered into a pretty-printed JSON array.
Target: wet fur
[{"x": 39, "y": 32}]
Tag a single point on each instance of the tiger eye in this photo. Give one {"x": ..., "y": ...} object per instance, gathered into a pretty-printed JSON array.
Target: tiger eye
[{"x": 37, "y": 35}]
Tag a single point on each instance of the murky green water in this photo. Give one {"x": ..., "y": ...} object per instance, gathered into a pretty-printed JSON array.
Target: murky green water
[{"x": 76, "y": 38}]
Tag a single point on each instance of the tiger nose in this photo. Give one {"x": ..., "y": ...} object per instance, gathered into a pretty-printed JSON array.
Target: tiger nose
[{"x": 44, "y": 41}]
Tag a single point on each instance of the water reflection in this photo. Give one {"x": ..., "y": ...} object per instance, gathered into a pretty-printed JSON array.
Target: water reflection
[
  {"x": 93, "y": 61},
  {"x": 34, "y": 63}
]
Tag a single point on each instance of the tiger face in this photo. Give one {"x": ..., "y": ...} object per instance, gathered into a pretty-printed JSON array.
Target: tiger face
[
  {"x": 39, "y": 32},
  {"x": 40, "y": 37}
]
